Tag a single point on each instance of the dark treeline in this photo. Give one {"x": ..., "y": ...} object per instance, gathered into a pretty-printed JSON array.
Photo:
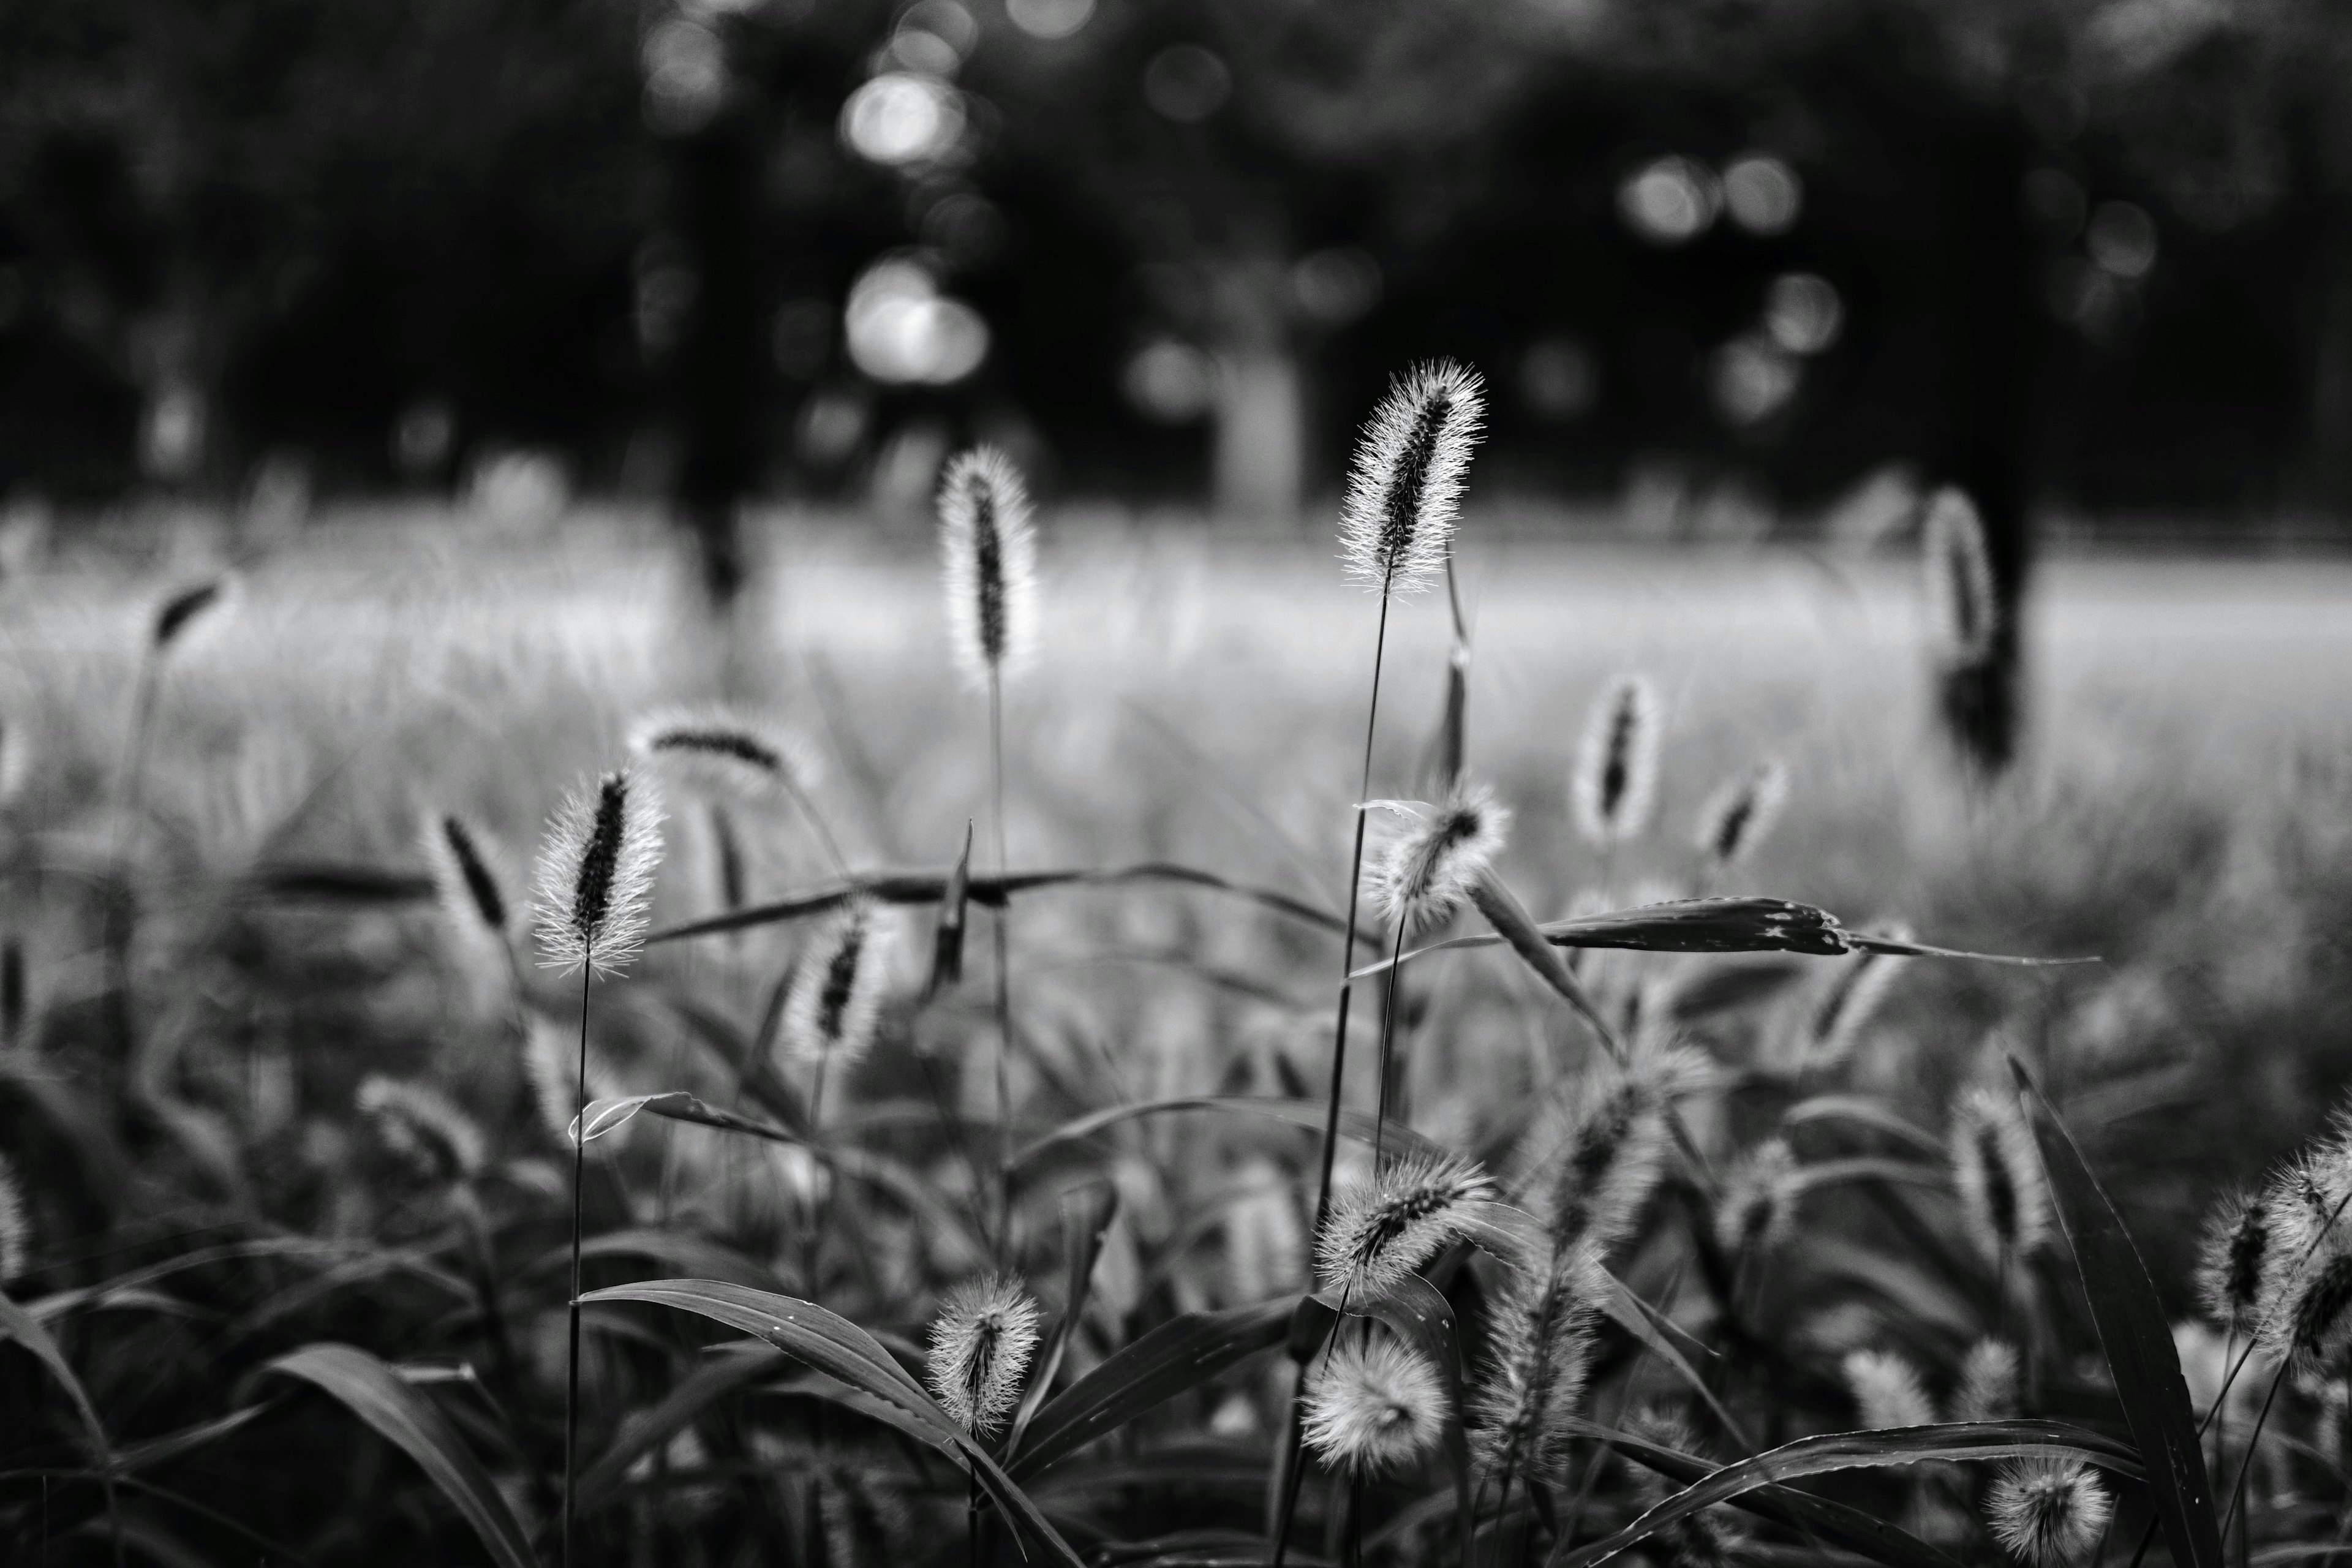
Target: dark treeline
[{"x": 2100, "y": 254}]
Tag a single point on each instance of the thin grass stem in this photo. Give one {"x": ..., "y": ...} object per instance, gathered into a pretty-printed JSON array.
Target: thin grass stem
[{"x": 571, "y": 1355}]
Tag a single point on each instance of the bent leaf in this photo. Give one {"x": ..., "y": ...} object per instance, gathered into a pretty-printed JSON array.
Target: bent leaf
[
  {"x": 15, "y": 1323},
  {"x": 412, "y": 1424}
]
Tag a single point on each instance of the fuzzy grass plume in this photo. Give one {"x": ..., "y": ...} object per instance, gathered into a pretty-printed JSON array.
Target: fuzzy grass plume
[
  {"x": 1711, "y": 1537},
  {"x": 1886, "y": 1390},
  {"x": 1374, "y": 1407},
  {"x": 1614, "y": 787},
  {"x": 2048, "y": 1513},
  {"x": 1538, "y": 1357},
  {"x": 1596, "y": 1156},
  {"x": 1427, "y": 870},
  {"x": 1959, "y": 578},
  {"x": 1381, "y": 1231},
  {"x": 1758, "y": 1201},
  {"x": 1735, "y": 820},
  {"x": 1855, "y": 989},
  {"x": 835, "y": 1000},
  {"x": 981, "y": 1345},
  {"x": 1998, "y": 1173},
  {"x": 988, "y": 551},
  {"x": 723, "y": 753},
  {"x": 16, "y": 1228},
  {"x": 1987, "y": 1389},
  {"x": 595, "y": 877},
  {"x": 466, "y": 881},
  {"x": 1396, "y": 524},
  {"x": 423, "y": 1126},
  {"x": 2230, "y": 1258}
]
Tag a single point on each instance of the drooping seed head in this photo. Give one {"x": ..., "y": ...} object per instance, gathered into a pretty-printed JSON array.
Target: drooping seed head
[
  {"x": 15, "y": 1226},
  {"x": 1850, "y": 997},
  {"x": 1886, "y": 1390},
  {"x": 1987, "y": 1389},
  {"x": 423, "y": 1126},
  {"x": 1713, "y": 1536},
  {"x": 989, "y": 551},
  {"x": 1396, "y": 525},
  {"x": 981, "y": 1345},
  {"x": 1742, "y": 814},
  {"x": 1614, "y": 784},
  {"x": 1373, "y": 1407},
  {"x": 1427, "y": 871},
  {"x": 1959, "y": 578},
  {"x": 596, "y": 874},
  {"x": 1997, "y": 1173},
  {"x": 2048, "y": 1513},
  {"x": 182, "y": 610},
  {"x": 835, "y": 999},
  {"x": 2316, "y": 1330},
  {"x": 1537, "y": 1359},
  {"x": 1593, "y": 1159},
  {"x": 1759, "y": 1199},
  {"x": 1381, "y": 1231},
  {"x": 2231, "y": 1257},
  {"x": 723, "y": 753},
  {"x": 464, "y": 877}
]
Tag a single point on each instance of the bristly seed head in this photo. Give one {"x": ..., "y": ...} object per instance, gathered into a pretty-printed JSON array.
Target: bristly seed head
[
  {"x": 1396, "y": 526},
  {"x": 990, "y": 555},
  {"x": 182, "y": 609},
  {"x": 595, "y": 874},
  {"x": 1851, "y": 996},
  {"x": 1987, "y": 1390},
  {"x": 1759, "y": 1198},
  {"x": 1541, "y": 1338},
  {"x": 15, "y": 1229},
  {"x": 1373, "y": 1407},
  {"x": 1740, "y": 814},
  {"x": 1614, "y": 785},
  {"x": 1381, "y": 1231},
  {"x": 1886, "y": 1390},
  {"x": 835, "y": 1000},
  {"x": 1997, "y": 1173},
  {"x": 981, "y": 1345},
  {"x": 471, "y": 898},
  {"x": 725, "y": 753},
  {"x": 421, "y": 1125},
  {"x": 2231, "y": 1257},
  {"x": 1426, "y": 871},
  {"x": 1596, "y": 1157},
  {"x": 2048, "y": 1513},
  {"x": 1959, "y": 578}
]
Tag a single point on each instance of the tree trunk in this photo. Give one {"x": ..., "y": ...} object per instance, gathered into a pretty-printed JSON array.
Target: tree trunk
[
  {"x": 718, "y": 359},
  {"x": 1988, "y": 449}
]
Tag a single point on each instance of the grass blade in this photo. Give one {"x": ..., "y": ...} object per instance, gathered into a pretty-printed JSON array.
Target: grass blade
[
  {"x": 1181, "y": 1353},
  {"x": 1298, "y": 1113},
  {"x": 1516, "y": 927},
  {"x": 1086, "y": 1216},
  {"x": 412, "y": 1424},
  {"x": 2138, "y": 1339}
]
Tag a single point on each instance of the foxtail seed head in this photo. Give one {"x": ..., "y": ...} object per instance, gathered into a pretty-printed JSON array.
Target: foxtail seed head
[
  {"x": 981, "y": 1346},
  {"x": 1997, "y": 1173},
  {"x": 1596, "y": 1156},
  {"x": 1542, "y": 1338},
  {"x": 1427, "y": 871},
  {"x": 1614, "y": 784},
  {"x": 421, "y": 1125},
  {"x": 15, "y": 1229},
  {"x": 465, "y": 879},
  {"x": 1850, "y": 998},
  {"x": 2048, "y": 1513},
  {"x": 1396, "y": 525},
  {"x": 724, "y": 754},
  {"x": 1742, "y": 814},
  {"x": 1759, "y": 1198},
  {"x": 1373, "y": 1407},
  {"x": 182, "y": 609},
  {"x": 835, "y": 1000},
  {"x": 1987, "y": 1390},
  {"x": 596, "y": 874},
  {"x": 989, "y": 552},
  {"x": 1959, "y": 578},
  {"x": 2230, "y": 1256},
  {"x": 1379, "y": 1231},
  {"x": 1886, "y": 1390}
]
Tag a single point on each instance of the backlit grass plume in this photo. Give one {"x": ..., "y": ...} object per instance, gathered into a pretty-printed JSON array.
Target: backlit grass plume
[
  {"x": 16, "y": 1228},
  {"x": 723, "y": 753},
  {"x": 464, "y": 877},
  {"x": 1742, "y": 814},
  {"x": 2231, "y": 1257},
  {"x": 988, "y": 551},
  {"x": 1759, "y": 1199},
  {"x": 835, "y": 1000},
  {"x": 1541, "y": 1340},
  {"x": 1374, "y": 1407},
  {"x": 1596, "y": 1156},
  {"x": 981, "y": 1345},
  {"x": 1613, "y": 785},
  {"x": 2048, "y": 1513},
  {"x": 1849, "y": 999},
  {"x": 423, "y": 1126},
  {"x": 1959, "y": 578},
  {"x": 1397, "y": 522},
  {"x": 1427, "y": 870},
  {"x": 595, "y": 879},
  {"x": 1886, "y": 1390},
  {"x": 1998, "y": 1173},
  {"x": 1381, "y": 1230},
  {"x": 1987, "y": 1390}
]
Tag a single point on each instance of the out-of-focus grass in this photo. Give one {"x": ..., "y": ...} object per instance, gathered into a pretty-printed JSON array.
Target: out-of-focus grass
[{"x": 2182, "y": 811}]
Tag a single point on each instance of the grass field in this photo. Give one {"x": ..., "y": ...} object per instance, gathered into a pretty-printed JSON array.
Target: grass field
[{"x": 200, "y": 1020}]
